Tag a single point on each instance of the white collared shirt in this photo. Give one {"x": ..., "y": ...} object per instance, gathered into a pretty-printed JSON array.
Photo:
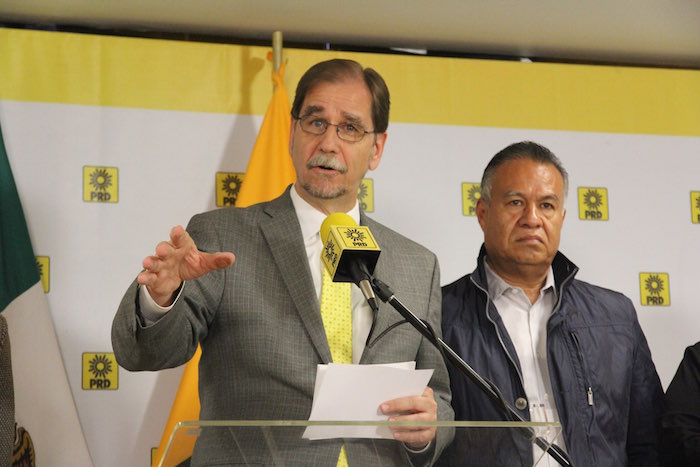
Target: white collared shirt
[
  {"x": 310, "y": 220},
  {"x": 526, "y": 324}
]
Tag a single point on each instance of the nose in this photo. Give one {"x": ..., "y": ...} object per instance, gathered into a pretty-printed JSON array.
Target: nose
[
  {"x": 531, "y": 215},
  {"x": 330, "y": 139}
]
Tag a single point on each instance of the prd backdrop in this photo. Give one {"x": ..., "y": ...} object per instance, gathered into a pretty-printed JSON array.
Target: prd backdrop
[{"x": 112, "y": 141}]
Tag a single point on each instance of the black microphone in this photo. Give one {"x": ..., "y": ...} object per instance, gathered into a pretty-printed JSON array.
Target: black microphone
[{"x": 350, "y": 253}]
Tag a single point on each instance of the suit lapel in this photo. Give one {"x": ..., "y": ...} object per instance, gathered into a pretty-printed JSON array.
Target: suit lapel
[{"x": 283, "y": 236}]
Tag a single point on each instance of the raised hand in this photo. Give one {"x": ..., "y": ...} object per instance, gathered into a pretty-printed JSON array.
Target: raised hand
[{"x": 176, "y": 261}]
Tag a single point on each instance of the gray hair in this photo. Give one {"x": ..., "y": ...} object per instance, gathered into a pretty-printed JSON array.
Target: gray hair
[{"x": 523, "y": 150}]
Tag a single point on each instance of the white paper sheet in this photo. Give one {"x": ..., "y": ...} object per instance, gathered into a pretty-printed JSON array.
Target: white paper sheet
[{"x": 355, "y": 392}]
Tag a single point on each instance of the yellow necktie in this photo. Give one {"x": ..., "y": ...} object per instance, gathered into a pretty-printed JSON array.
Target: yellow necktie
[{"x": 336, "y": 312}]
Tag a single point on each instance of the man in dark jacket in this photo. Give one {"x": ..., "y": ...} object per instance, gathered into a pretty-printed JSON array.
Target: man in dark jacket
[
  {"x": 680, "y": 424},
  {"x": 559, "y": 349}
]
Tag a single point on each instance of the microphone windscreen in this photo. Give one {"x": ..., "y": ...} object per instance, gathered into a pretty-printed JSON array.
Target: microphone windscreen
[
  {"x": 347, "y": 247},
  {"x": 337, "y": 218}
]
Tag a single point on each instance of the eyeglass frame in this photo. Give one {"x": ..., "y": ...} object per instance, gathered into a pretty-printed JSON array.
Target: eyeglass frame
[{"x": 336, "y": 125}]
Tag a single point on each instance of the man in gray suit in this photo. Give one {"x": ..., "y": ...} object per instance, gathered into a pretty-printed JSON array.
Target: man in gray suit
[{"x": 258, "y": 321}]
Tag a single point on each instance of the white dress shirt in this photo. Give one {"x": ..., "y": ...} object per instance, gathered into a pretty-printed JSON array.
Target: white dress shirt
[
  {"x": 310, "y": 220},
  {"x": 526, "y": 324}
]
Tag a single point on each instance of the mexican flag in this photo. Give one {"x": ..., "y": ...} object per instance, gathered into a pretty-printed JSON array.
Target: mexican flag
[{"x": 44, "y": 408}]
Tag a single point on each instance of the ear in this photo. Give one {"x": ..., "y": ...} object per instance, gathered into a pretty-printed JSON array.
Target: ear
[
  {"x": 377, "y": 150},
  {"x": 482, "y": 212}
]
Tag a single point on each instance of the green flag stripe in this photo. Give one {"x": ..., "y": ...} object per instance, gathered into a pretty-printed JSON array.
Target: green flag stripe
[{"x": 18, "y": 270}]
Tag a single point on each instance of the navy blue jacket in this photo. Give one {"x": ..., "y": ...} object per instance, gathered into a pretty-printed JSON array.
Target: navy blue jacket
[{"x": 605, "y": 385}]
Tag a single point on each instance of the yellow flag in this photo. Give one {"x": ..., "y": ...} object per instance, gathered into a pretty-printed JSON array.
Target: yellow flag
[
  {"x": 270, "y": 168},
  {"x": 269, "y": 172}
]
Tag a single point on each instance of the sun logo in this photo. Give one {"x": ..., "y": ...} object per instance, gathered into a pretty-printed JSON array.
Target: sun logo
[
  {"x": 42, "y": 264},
  {"x": 228, "y": 187},
  {"x": 362, "y": 191},
  {"x": 365, "y": 195},
  {"x": 474, "y": 194},
  {"x": 329, "y": 252},
  {"x": 100, "y": 179},
  {"x": 695, "y": 207},
  {"x": 100, "y": 184},
  {"x": 593, "y": 204},
  {"x": 355, "y": 235},
  {"x": 100, "y": 371},
  {"x": 100, "y": 366},
  {"x": 471, "y": 194},
  {"x": 231, "y": 185},
  {"x": 654, "y": 287},
  {"x": 592, "y": 199}
]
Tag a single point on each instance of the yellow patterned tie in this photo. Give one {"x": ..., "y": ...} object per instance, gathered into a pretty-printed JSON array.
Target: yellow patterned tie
[{"x": 336, "y": 312}]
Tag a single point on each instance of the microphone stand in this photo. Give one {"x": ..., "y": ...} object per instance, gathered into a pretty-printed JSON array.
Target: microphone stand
[{"x": 387, "y": 295}]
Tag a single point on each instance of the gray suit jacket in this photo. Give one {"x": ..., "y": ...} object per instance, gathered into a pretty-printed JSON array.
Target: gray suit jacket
[{"x": 262, "y": 336}]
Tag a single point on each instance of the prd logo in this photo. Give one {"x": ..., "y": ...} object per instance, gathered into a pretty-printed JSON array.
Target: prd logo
[
  {"x": 655, "y": 290},
  {"x": 43, "y": 264},
  {"x": 329, "y": 251},
  {"x": 695, "y": 207},
  {"x": 228, "y": 185},
  {"x": 471, "y": 194},
  {"x": 365, "y": 195},
  {"x": 356, "y": 236},
  {"x": 592, "y": 204},
  {"x": 100, "y": 371},
  {"x": 100, "y": 184}
]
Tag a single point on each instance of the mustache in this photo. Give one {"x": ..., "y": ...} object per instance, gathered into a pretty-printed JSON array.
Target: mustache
[{"x": 327, "y": 162}]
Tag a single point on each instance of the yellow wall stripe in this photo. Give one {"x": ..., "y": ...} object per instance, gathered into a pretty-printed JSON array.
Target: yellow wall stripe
[{"x": 173, "y": 75}]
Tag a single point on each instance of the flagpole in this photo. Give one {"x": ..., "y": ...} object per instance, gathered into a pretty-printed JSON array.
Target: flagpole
[{"x": 276, "y": 51}]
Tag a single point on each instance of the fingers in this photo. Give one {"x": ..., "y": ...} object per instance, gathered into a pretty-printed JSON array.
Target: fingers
[
  {"x": 425, "y": 403},
  {"x": 165, "y": 251},
  {"x": 218, "y": 260},
  {"x": 421, "y": 408},
  {"x": 417, "y": 438},
  {"x": 179, "y": 236},
  {"x": 162, "y": 271},
  {"x": 145, "y": 277},
  {"x": 178, "y": 260}
]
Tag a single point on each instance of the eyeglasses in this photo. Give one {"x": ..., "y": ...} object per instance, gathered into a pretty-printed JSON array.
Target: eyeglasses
[{"x": 347, "y": 131}]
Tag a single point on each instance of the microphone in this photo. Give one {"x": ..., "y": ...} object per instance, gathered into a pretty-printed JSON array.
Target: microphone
[{"x": 350, "y": 253}]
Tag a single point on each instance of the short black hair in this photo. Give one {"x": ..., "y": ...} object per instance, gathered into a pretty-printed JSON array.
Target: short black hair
[{"x": 522, "y": 150}]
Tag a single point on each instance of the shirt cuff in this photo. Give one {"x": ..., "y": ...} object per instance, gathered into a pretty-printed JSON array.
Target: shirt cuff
[
  {"x": 150, "y": 310},
  {"x": 418, "y": 451}
]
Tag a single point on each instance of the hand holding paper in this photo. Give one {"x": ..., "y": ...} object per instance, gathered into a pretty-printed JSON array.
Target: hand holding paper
[
  {"x": 373, "y": 393},
  {"x": 421, "y": 408}
]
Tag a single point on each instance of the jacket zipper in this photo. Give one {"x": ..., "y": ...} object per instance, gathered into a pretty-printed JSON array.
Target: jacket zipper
[
  {"x": 560, "y": 290},
  {"x": 589, "y": 388},
  {"x": 498, "y": 333}
]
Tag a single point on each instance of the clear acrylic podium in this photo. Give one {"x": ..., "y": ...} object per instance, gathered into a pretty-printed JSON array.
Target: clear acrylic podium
[{"x": 280, "y": 442}]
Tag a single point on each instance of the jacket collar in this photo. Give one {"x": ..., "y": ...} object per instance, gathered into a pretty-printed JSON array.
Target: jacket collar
[{"x": 564, "y": 270}]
